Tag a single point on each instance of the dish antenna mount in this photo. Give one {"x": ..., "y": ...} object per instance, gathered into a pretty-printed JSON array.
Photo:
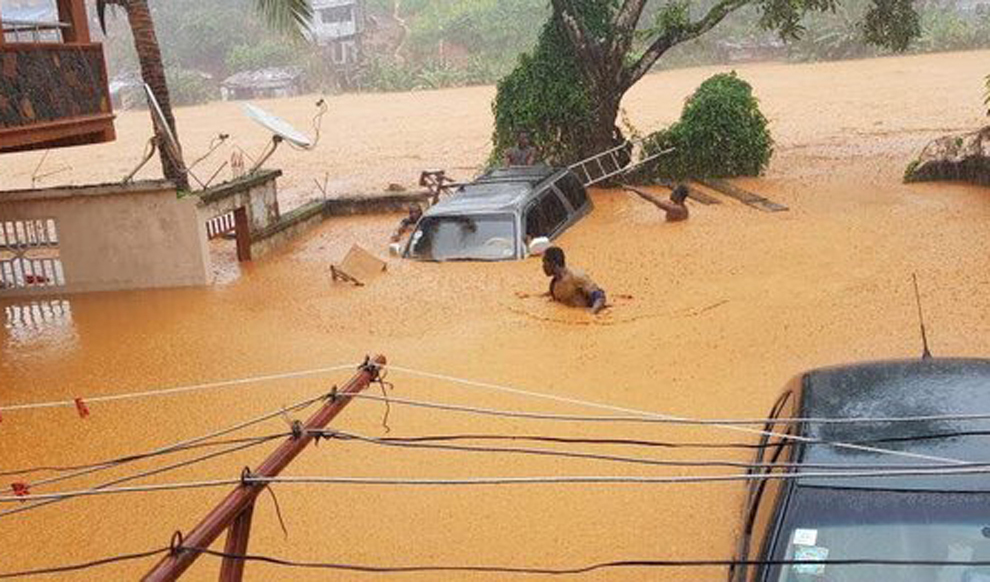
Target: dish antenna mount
[
  {"x": 282, "y": 131},
  {"x": 163, "y": 139}
]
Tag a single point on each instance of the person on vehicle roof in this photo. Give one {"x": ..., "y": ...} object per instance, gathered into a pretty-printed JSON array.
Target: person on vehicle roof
[
  {"x": 571, "y": 287},
  {"x": 523, "y": 153},
  {"x": 408, "y": 223}
]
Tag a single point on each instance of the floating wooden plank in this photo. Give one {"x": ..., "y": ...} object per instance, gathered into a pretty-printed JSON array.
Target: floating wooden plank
[{"x": 745, "y": 196}]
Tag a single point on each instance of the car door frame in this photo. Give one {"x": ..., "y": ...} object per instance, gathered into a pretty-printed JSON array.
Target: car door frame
[
  {"x": 547, "y": 189},
  {"x": 780, "y": 492}
]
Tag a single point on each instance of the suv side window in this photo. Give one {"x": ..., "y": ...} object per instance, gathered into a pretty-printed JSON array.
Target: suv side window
[
  {"x": 573, "y": 191},
  {"x": 546, "y": 216}
]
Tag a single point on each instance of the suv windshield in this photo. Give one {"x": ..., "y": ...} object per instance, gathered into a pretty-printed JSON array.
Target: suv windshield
[
  {"x": 835, "y": 524},
  {"x": 474, "y": 237}
]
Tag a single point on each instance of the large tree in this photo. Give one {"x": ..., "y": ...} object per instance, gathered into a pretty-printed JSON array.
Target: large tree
[
  {"x": 610, "y": 48},
  {"x": 288, "y": 16}
]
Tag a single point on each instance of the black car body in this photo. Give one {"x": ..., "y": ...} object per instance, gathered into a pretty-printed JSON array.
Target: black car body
[
  {"x": 941, "y": 518},
  {"x": 495, "y": 217}
]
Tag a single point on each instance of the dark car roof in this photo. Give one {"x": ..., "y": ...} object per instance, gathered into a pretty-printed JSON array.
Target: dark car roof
[
  {"x": 893, "y": 389},
  {"x": 500, "y": 190}
]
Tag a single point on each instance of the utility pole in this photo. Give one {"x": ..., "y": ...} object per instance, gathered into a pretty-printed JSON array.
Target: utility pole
[{"x": 234, "y": 512}]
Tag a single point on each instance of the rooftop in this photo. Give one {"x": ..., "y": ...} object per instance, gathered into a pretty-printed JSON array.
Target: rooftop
[
  {"x": 940, "y": 387},
  {"x": 499, "y": 190}
]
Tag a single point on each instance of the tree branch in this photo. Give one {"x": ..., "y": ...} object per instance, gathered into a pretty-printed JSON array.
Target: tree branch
[
  {"x": 588, "y": 48},
  {"x": 624, "y": 27},
  {"x": 671, "y": 38}
]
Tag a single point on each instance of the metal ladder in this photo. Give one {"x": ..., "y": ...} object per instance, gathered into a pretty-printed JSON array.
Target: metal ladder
[{"x": 613, "y": 162}]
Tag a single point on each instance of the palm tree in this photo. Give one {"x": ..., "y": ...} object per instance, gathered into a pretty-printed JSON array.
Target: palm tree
[{"x": 291, "y": 17}]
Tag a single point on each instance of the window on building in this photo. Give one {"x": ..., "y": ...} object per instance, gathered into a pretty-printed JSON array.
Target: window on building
[
  {"x": 29, "y": 254},
  {"x": 337, "y": 14}
]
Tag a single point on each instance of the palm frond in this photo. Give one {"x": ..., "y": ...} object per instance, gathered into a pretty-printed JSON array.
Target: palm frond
[
  {"x": 290, "y": 17},
  {"x": 101, "y": 11}
]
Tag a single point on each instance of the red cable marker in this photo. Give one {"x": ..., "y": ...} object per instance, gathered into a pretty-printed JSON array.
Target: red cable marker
[
  {"x": 20, "y": 489},
  {"x": 81, "y": 408}
]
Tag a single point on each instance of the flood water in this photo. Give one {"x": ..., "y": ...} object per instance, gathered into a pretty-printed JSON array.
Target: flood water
[{"x": 711, "y": 318}]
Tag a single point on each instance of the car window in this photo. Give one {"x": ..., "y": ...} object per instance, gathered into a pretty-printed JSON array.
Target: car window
[
  {"x": 573, "y": 190},
  {"x": 546, "y": 216}
]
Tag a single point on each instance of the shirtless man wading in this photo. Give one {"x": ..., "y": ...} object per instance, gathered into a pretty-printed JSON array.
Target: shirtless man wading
[{"x": 572, "y": 288}]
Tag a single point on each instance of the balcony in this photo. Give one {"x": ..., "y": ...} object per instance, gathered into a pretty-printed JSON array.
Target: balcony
[{"x": 53, "y": 82}]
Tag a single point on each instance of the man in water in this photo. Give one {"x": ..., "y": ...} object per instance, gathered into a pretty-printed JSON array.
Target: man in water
[
  {"x": 408, "y": 223},
  {"x": 572, "y": 288},
  {"x": 676, "y": 209},
  {"x": 523, "y": 153}
]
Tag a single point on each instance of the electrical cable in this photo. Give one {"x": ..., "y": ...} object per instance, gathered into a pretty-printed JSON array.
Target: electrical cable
[
  {"x": 647, "y": 414},
  {"x": 956, "y": 470},
  {"x": 583, "y": 569},
  {"x": 142, "y": 475},
  {"x": 129, "y": 458},
  {"x": 167, "y": 449},
  {"x": 178, "y": 389},
  {"x": 83, "y": 566},
  {"x": 399, "y": 443},
  {"x": 674, "y": 420}
]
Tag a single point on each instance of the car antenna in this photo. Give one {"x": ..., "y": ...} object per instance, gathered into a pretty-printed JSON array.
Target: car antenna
[{"x": 927, "y": 354}]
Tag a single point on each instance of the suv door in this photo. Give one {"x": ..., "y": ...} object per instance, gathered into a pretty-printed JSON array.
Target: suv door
[{"x": 546, "y": 215}]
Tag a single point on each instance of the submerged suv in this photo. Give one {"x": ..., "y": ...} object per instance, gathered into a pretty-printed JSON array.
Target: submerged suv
[
  {"x": 937, "y": 518},
  {"x": 498, "y": 216}
]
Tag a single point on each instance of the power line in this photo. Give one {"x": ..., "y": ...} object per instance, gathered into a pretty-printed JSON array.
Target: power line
[
  {"x": 583, "y": 569},
  {"x": 402, "y": 443},
  {"x": 482, "y": 569},
  {"x": 149, "y": 473},
  {"x": 647, "y": 414},
  {"x": 83, "y": 566},
  {"x": 178, "y": 389},
  {"x": 170, "y": 448},
  {"x": 674, "y": 420},
  {"x": 956, "y": 470},
  {"x": 130, "y": 458}
]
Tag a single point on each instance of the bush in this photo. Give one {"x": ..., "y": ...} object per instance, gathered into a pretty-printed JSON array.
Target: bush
[
  {"x": 721, "y": 133},
  {"x": 545, "y": 93}
]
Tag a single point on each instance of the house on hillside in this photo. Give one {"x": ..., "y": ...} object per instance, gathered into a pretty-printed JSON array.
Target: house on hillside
[
  {"x": 263, "y": 84},
  {"x": 339, "y": 27}
]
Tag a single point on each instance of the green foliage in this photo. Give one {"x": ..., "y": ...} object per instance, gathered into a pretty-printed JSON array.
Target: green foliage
[
  {"x": 721, "y": 133},
  {"x": 188, "y": 87},
  {"x": 247, "y": 57},
  {"x": 892, "y": 24},
  {"x": 945, "y": 29},
  {"x": 545, "y": 94}
]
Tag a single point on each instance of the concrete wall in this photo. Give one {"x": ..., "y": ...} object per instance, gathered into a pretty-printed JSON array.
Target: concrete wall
[
  {"x": 258, "y": 193},
  {"x": 116, "y": 237}
]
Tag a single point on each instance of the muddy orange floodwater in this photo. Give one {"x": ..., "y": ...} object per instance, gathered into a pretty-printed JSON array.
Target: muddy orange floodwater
[{"x": 710, "y": 319}]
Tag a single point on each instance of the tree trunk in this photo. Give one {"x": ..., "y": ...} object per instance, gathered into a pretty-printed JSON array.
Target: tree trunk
[
  {"x": 153, "y": 73},
  {"x": 604, "y": 134}
]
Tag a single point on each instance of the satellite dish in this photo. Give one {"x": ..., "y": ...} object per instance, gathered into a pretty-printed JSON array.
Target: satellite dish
[
  {"x": 163, "y": 139},
  {"x": 277, "y": 126},
  {"x": 171, "y": 145},
  {"x": 282, "y": 131}
]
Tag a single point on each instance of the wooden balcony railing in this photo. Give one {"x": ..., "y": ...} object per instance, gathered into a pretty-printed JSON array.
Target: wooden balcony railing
[{"x": 53, "y": 83}]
